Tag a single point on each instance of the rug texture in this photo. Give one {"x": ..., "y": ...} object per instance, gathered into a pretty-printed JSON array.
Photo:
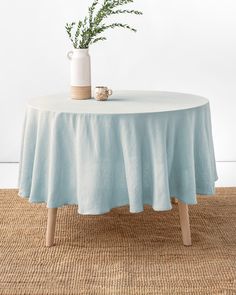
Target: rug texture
[{"x": 119, "y": 252}]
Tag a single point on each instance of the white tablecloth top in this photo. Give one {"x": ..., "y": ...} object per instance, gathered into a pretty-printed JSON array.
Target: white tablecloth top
[{"x": 122, "y": 102}]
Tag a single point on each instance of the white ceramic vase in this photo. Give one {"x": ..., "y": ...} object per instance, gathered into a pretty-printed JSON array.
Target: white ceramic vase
[{"x": 80, "y": 72}]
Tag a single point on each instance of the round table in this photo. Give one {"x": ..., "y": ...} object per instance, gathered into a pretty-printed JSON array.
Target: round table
[{"x": 139, "y": 147}]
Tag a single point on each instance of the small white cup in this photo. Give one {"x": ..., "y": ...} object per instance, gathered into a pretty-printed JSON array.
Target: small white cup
[{"x": 102, "y": 93}]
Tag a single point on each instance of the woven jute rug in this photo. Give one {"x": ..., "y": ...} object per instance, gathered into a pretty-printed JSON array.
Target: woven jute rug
[{"x": 119, "y": 252}]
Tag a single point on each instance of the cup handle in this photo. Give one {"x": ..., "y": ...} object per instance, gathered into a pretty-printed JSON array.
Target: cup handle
[
  {"x": 69, "y": 55},
  {"x": 110, "y": 92}
]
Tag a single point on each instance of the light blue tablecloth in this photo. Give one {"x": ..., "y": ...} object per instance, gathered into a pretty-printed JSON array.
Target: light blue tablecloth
[{"x": 138, "y": 148}]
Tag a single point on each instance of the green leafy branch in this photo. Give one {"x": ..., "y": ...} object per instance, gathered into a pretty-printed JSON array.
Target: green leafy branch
[{"x": 88, "y": 31}]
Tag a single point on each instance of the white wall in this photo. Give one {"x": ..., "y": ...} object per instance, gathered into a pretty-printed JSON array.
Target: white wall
[{"x": 184, "y": 45}]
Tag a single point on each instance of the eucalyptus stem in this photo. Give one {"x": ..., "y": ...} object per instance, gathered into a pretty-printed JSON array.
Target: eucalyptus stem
[{"x": 87, "y": 31}]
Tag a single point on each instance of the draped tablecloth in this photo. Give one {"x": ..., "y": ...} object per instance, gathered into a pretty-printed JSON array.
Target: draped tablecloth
[{"x": 137, "y": 148}]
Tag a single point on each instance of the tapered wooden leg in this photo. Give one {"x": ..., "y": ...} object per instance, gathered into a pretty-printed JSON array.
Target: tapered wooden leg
[
  {"x": 51, "y": 224},
  {"x": 184, "y": 223},
  {"x": 174, "y": 200}
]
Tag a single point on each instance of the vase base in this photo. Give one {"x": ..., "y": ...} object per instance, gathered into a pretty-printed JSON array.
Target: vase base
[{"x": 80, "y": 92}]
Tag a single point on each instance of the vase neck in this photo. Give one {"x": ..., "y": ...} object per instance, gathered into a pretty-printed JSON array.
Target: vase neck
[{"x": 81, "y": 50}]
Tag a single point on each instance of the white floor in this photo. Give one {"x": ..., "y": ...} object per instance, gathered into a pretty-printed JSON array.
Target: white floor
[{"x": 226, "y": 172}]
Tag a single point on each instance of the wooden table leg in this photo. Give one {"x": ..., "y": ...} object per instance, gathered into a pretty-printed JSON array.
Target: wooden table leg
[
  {"x": 184, "y": 223},
  {"x": 51, "y": 224},
  {"x": 174, "y": 200}
]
